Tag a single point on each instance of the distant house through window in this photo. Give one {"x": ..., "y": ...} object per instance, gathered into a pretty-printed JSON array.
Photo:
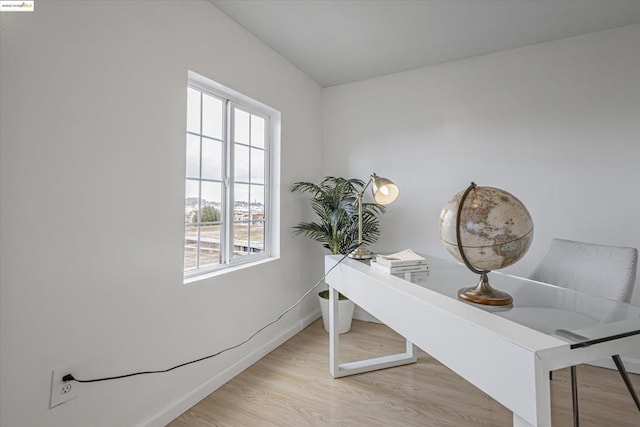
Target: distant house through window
[{"x": 228, "y": 182}]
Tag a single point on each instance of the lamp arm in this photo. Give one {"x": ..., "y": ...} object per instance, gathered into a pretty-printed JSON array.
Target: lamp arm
[
  {"x": 360, "y": 197},
  {"x": 361, "y": 193}
]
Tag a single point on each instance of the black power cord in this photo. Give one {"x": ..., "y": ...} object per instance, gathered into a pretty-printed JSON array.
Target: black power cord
[{"x": 70, "y": 377}]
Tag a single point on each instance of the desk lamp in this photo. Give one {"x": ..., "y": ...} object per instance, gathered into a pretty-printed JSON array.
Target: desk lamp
[{"x": 384, "y": 192}]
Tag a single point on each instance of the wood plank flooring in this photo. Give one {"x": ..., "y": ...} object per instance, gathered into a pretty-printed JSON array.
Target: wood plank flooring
[{"x": 291, "y": 386}]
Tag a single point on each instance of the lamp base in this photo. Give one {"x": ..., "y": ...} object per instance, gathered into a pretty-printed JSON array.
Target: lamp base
[
  {"x": 484, "y": 294},
  {"x": 361, "y": 253}
]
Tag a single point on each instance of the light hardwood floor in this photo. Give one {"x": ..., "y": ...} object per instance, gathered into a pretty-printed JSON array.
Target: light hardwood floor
[{"x": 292, "y": 387}]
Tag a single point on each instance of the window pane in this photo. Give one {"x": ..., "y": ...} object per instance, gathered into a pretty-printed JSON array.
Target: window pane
[
  {"x": 240, "y": 238},
  {"x": 193, "y": 156},
  {"x": 211, "y": 199},
  {"x": 256, "y": 243},
  {"x": 257, "y": 202},
  {"x": 190, "y": 247},
  {"x": 241, "y": 163},
  {"x": 257, "y": 131},
  {"x": 241, "y": 195},
  {"x": 241, "y": 202},
  {"x": 241, "y": 128},
  {"x": 193, "y": 110},
  {"x": 209, "y": 245},
  {"x": 212, "y": 116},
  {"x": 211, "y": 159},
  {"x": 191, "y": 202},
  {"x": 210, "y": 213},
  {"x": 257, "y": 166}
]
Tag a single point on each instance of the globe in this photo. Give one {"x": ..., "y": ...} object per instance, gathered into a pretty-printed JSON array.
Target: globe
[{"x": 487, "y": 229}]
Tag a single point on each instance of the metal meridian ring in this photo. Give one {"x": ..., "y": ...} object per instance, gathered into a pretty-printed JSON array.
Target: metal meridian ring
[{"x": 458, "y": 239}]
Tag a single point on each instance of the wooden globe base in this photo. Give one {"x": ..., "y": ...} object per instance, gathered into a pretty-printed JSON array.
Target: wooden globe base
[{"x": 484, "y": 294}]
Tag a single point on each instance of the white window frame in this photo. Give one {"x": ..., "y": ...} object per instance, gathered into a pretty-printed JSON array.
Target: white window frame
[{"x": 271, "y": 184}]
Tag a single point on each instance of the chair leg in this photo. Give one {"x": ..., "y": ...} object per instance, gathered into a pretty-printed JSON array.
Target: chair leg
[
  {"x": 574, "y": 396},
  {"x": 625, "y": 377}
]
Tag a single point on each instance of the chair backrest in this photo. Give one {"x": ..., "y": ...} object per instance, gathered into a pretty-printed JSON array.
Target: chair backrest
[{"x": 605, "y": 271}]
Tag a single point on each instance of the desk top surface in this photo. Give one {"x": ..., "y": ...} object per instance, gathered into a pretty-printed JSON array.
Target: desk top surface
[{"x": 574, "y": 317}]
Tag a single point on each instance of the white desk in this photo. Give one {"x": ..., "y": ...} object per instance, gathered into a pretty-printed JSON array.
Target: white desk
[{"x": 505, "y": 352}]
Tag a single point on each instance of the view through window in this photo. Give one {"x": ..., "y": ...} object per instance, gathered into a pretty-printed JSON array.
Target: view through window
[{"x": 227, "y": 180}]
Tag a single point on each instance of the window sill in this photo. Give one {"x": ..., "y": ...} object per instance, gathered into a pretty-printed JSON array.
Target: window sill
[{"x": 226, "y": 270}]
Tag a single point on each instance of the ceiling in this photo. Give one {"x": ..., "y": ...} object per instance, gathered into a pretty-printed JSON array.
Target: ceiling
[{"x": 342, "y": 41}]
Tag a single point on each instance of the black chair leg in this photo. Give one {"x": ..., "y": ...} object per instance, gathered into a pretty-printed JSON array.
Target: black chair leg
[
  {"x": 625, "y": 377},
  {"x": 574, "y": 396}
]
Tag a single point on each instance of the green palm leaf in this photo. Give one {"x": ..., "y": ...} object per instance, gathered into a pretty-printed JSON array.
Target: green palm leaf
[{"x": 334, "y": 201}]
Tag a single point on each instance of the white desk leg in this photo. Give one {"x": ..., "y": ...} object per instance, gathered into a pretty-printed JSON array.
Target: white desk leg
[
  {"x": 334, "y": 336},
  {"x": 345, "y": 369},
  {"x": 542, "y": 401}
]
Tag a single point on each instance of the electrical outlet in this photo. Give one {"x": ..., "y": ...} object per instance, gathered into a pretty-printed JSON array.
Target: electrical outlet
[{"x": 63, "y": 391}]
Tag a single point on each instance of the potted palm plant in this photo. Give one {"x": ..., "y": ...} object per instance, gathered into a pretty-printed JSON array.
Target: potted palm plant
[{"x": 334, "y": 201}]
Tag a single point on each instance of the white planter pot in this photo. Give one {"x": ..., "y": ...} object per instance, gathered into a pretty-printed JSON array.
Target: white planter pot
[{"x": 345, "y": 314}]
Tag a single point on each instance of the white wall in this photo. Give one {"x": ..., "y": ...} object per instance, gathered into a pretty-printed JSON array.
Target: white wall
[
  {"x": 556, "y": 124},
  {"x": 92, "y": 127}
]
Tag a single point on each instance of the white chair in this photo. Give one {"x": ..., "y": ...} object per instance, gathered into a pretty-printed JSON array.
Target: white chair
[{"x": 605, "y": 271}]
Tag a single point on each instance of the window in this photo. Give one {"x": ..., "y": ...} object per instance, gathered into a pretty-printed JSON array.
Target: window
[{"x": 228, "y": 181}]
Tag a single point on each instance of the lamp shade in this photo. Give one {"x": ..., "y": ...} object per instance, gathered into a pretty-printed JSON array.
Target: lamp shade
[{"x": 384, "y": 190}]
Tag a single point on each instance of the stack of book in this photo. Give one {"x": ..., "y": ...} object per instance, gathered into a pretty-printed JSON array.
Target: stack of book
[{"x": 401, "y": 262}]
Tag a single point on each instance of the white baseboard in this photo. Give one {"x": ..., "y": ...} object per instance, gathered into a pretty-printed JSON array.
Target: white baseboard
[
  {"x": 180, "y": 405},
  {"x": 310, "y": 319}
]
